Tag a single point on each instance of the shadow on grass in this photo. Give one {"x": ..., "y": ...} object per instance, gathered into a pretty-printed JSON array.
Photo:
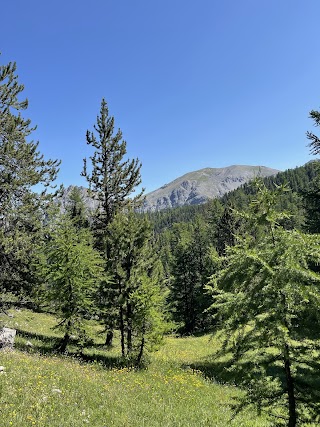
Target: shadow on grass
[
  {"x": 215, "y": 371},
  {"x": 229, "y": 372},
  {"x": 36, "y": 336},
  {"x": 180, "y": 333},
  {"x": 226, "y": 372},
  {"x": 46, "y": 346}
]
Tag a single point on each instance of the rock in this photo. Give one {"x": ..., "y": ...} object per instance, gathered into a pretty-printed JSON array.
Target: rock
[
  {"x": 197, "y": 187},
  {"x": 7, "y": 337},
  {"x": 56, "y": 390},
  {"x": 29, "y": 344}
]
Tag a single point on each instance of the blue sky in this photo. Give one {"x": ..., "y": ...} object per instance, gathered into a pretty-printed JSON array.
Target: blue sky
[{"x": 191, "y": 84}]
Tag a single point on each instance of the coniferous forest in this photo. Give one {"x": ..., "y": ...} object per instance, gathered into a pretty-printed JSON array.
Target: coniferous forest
[{"x": 235, "y": 282}]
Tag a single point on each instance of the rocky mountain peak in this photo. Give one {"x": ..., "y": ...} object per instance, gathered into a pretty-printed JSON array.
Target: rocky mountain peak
[{"x": 199, "y": 186}]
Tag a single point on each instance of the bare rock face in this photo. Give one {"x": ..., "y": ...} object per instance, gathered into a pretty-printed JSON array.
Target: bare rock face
[
  {"x": 7, "y": 337},
  {"x": 199, "y": 186}
]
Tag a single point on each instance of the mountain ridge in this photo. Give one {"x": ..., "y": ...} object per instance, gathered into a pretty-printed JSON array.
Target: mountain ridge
[
  {"x": 192, "y": 188},
  {"x": 199, "y": 186}
]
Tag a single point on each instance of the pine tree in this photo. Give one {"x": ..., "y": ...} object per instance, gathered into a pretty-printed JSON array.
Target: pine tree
[
  {"x": 185, "y": 289},
  {"x": 213, "y": 216},
  {"x": 71, "y": 269},
  {"x": 21, "y": 168},
  {"x": 226, "y": 229},
  {"x": 267, "y": 295},
  {"x": 191, "y": 268},
  {"x": 112, "y": 179}
]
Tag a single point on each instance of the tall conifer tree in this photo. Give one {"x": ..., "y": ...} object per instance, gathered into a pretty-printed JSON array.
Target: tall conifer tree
[
  {"x": 191, "y": 268},
  {"x": 112, "y": 179},
  {"x": 267, "y": 298},
  {"x": 72, "y": 270},
  {"x": 22, "y": 167},
  {"x": 136, "y": 291}
]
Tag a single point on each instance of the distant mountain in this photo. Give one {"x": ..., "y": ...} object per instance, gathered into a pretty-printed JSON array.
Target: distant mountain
[
  {"x": 199, "y": 186},
  {"x": 193, "y": 188}
]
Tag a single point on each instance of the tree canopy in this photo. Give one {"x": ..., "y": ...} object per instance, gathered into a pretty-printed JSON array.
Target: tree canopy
[{"x": 22, "y": 167}]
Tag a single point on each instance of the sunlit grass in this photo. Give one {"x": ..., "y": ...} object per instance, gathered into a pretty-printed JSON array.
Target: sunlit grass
[{"x": 53, "y": 391}]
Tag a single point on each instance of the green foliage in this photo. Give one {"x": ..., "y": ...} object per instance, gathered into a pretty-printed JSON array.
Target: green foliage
[
  {"x": 136, "y": 292},
  {"x": 76, "y": 209},
  {"x": 266, "y": 297},
  {"x": 165, "y": 219},
  {"x": 191, "y": 268},
  {"x": 21, "y": 168},
  {"x": 112, "y": 179},
  {"x": 226, "y": 229},
  {"x": 72, "y": 270},
  {"x": 314, "y": 139},
  {"x": 312, "y": 196},
  {"x": 223, "y": 224},
  {"x": 263, "y": 214}
]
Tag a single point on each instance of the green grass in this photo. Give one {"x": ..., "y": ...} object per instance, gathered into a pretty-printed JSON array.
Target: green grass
[{"x": 40, "y": 388}]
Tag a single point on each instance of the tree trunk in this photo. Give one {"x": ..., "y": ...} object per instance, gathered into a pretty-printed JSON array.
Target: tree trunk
[
  {"x": 65, "y": 340},
  {"x": 109, "y": 338},
  {"x": 129, "y": 327},
  {"x": 139, "y": 358},
  {"x": 122, "y": 331},
  {"x": 290, "y": 388}
]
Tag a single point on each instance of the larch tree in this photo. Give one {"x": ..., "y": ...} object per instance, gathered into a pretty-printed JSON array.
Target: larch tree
[
  {"x": 22, "y": 167},
  {"x": 71, "y": 270},
  {"x": 266, "y": 301},
  {"x": 136, "y": 292}
]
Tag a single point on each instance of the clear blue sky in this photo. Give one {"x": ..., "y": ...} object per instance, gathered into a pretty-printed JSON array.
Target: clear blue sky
[{"x": 192, "y": 84}]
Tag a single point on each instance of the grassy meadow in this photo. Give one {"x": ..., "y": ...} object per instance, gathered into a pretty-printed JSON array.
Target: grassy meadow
[{"x": 92, "y": 387}]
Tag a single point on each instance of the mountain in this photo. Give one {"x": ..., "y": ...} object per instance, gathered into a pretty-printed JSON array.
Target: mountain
[
  {"x": 193, "y": 188},
  {"x": 199, "y": 186}
]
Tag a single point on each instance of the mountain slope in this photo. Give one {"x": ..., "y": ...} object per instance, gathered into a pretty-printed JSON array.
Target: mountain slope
[{"x": 199, "y": 186}]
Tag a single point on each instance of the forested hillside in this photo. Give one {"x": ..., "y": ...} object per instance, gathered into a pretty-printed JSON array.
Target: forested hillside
[
  {"x": 298, "y": 180},
  {"x": 113, "y": 283}
]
